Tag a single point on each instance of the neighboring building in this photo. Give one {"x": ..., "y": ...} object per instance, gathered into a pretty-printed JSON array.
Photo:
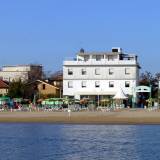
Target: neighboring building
[
  {"x": 100, "y": 74},
  {"x": 43, "y": 89},
  {"x": 3, "y": 88},
  {"x": 23, "y": 72},
  {"x": 57, "y": 80}
]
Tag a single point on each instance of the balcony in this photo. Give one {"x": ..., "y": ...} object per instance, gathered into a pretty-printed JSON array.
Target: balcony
[{"x": 101, "y": 62}]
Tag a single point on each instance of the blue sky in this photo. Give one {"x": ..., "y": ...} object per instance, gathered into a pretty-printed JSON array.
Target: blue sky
[{"x": 48, "y": 31}]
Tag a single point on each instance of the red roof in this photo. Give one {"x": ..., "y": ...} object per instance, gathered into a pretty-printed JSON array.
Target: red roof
[{"x": 3, "y": 84}]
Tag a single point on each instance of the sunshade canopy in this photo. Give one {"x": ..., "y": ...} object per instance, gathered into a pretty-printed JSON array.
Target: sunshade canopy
[{"x": 120, "y": 94}]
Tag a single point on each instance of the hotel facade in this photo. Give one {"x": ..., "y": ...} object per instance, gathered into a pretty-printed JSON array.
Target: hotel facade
[{"x": 100, "y": 74}]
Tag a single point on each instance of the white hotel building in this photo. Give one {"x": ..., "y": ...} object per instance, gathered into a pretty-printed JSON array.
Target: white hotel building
[{"x": 100, "y": 74}]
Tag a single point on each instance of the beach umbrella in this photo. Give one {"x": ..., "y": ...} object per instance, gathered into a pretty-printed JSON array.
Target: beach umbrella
[
  {"x": 119, "y": 96},
  {"x": 4, "y": 99},
  {"x": 104, "y": 101},
  {"x": 39, "y": 100},
  {"x": 43, "y": 102},
  {"x": 17, "y": 100}
]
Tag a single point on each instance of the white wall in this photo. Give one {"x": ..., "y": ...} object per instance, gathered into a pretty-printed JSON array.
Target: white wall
[
  {"x": 104, "y": 87},
  {"x": 3, "y": 91},
  {"x": 16, "y": 68},
  {"x": 10, "y": 76},
  {"x": 119, "y": 72}
]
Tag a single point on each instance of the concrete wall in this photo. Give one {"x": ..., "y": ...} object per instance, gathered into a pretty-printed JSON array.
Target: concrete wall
[
  {"x": 3, "y": 91},
  {"x": 104, "y": 88},
  {"x": 119, "y": 72},
  {"x": 10, "y": 76},
  {"x": 48, "y": 89}
]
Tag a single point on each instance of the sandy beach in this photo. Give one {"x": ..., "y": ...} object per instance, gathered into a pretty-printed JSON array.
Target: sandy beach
[{"x": 128, "y": 116}]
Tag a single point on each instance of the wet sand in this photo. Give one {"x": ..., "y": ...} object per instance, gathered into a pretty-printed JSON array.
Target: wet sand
[{"x": 129, "y": 116}]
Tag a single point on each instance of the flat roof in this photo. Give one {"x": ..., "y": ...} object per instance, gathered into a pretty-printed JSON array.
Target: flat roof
[
  {"x": 104, "y": 53},
  {"x": 22, "y": 65}
]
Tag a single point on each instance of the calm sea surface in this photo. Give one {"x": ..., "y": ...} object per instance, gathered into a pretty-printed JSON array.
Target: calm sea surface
[{"x": 72, "y": 142}]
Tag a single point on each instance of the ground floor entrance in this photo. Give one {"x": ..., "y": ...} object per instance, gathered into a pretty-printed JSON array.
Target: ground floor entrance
[
  {"x": 106, "y": 100},
  {"x": 140, "y": 96}
]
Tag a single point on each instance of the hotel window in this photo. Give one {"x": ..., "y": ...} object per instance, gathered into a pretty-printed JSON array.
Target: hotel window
[
  {"x": 97, "y": 71},
  {"x": 127, "y": 70},
  {"x": 111, "y": 84},
  {"x": 70, "y": 72},
  {"x": 86, "y": 58},
  {"x": 84, "y": 72},
  {"x": 98, "y": 57},
  {"x": 127, "y": 84},
  {"x": 97, "y": 84},
  {"x": 111, "y": 71},
  {"x": 84, "y": 84},
  {"x": 70, "y": 84}
]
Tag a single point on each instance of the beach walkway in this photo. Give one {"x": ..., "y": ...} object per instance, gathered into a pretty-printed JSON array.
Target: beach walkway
[{"x": 127, "y": 116}]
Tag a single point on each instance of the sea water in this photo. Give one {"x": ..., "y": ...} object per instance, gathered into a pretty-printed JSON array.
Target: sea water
[{"x": 31, "y": 141}]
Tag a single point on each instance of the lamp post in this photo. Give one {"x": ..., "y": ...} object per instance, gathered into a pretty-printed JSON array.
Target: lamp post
[
  {"x": 34, "y": 99},
  {"x": 98, "y": 99},
  {"x": 150, "y": 93}
]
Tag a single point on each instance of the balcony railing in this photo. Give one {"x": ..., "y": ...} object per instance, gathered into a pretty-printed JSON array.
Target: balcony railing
[{"x": 101, "y": 62}]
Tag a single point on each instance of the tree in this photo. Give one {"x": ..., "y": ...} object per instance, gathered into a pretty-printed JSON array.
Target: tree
[
  {"x": 57, "y": 80},
  {"x": 148, "y": 79},
  {"x": 57, "y": 75},
  {"x": 16, "y": 89},
  {"x": 46, "y": 74},
  {"x": 157, "y": 77}
]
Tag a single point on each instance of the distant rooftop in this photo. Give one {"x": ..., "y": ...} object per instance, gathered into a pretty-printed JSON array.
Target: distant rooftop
[
  {"x": 22, "y": 65},
  {"x": 3, "y": 84}
]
